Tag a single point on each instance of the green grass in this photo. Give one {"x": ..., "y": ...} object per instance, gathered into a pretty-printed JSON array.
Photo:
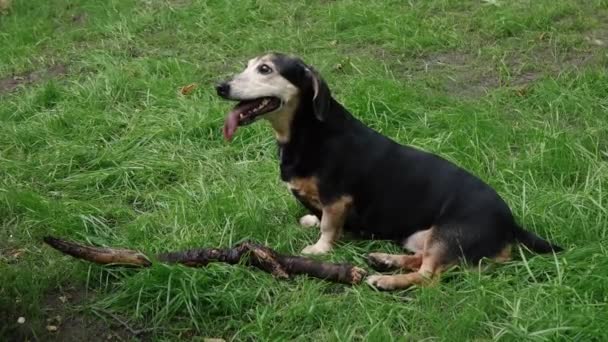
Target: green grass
[{"x": 111, "y": 154}]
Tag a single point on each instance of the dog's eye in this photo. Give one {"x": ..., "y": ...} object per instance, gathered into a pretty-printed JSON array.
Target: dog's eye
[{"x": 264, "y": 69}]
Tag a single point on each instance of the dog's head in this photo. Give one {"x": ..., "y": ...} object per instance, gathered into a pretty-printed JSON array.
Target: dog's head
[{"x": 273, "y": 87}]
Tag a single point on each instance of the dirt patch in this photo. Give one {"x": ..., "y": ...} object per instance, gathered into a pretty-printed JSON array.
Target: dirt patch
[
  {"x": 449, "y": 58},
  {"x": 453, "y": 69},
  {"x": 455, "y": 72},
  {"x": 470, "y": 84},
  {"x": 526, "y": 78},
  {"x": 472, "y": 75},
  {"x": 460, "y": 73},
  {"x": 60, "y": 320},
  {"x": 599, "y": 35},
  {"x": 13, "y": 82},
  {"x": 466, "y": 75}
]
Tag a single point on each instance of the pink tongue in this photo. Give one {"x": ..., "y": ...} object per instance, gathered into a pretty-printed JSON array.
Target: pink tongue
[{"x": 231, "y": 124}]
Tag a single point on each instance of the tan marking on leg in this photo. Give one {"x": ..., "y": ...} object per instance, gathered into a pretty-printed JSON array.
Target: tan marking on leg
[
  {"x": 405, "y": 261},
  {"x": 308, "y": 189},
  {"x": 281, "y": 120},
  {"x": 504, "y": 255},
  {"x": 332, "y": 221},
  {"x": 428, "y": 272},
  {"x": 430, "y": 268},
  {"x": 412, "y": 262},
  {"x": 415, "y": 242}
]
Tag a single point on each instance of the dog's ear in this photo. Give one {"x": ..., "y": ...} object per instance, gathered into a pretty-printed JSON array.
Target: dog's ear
[{"x": 321, "y": 96}]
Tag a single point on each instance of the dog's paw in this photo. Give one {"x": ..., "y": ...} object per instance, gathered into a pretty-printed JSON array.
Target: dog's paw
[
  {"x": 381, "y": 261},
  {"x": 309, "y": 221},
  {"x": 316, "y": 249},
  {"x": 381, "y": 282}
]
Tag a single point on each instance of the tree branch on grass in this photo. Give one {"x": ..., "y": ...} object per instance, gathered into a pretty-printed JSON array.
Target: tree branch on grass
[{"x": 250, "y": 253}]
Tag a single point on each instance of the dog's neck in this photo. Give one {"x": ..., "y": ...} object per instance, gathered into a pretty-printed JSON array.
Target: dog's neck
[
  {"x": 303, "y": 125},
  {"x": 302, "y": 151},
  {"x": 281, "y": 121},
  {"x": 295, "y": 117}
]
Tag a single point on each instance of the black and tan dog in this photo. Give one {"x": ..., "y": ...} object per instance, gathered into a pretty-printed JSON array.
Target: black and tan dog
[{"x": 354, "y": 179}]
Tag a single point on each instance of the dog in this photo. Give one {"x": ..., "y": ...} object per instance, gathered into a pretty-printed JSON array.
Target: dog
[{"x": 352, "y": 178}]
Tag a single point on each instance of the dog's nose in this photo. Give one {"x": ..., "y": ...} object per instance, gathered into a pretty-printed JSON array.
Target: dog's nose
[{"x": 223, "y": 89}]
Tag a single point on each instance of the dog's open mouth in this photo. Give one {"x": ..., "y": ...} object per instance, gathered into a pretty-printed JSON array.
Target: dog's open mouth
[{"x": 247, "y": 111}]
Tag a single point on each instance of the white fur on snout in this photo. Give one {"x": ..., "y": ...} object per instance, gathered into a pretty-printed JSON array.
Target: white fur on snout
[
  {"x": 251, "y": 84},
  {"x": 309, "y": 221}
]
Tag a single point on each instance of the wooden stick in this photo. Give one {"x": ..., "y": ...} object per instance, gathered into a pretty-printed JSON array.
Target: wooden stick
[
  {"x": 250, "y": 253},
  {"x": 99, "y": 255}
]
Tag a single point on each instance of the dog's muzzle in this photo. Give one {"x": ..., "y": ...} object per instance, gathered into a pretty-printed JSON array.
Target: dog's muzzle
[{"x": 246, "y": 111}]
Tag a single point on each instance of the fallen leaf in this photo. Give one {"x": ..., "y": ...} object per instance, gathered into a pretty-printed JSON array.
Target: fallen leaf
[{"x": 187, "y": 90}]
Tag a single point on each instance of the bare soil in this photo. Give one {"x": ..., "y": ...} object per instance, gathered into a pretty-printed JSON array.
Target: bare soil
[
  {"x": 14, "y": 82},
  {"x": 62, "y": 320}
]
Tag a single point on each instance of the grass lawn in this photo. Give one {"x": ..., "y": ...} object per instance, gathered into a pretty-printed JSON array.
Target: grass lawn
[{"x": 97, "y": 145}]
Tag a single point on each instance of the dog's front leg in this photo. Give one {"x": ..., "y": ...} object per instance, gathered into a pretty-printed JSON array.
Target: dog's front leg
[{"x": 332, "y": 222}]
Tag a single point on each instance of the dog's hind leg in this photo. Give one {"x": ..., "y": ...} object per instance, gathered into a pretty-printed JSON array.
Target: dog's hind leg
[
  {"x": 430, "y": 268},
  {"x": 415, "y": 243},
  {"x": 385, "y": 262},
  {"x": 428, "y": 262}
]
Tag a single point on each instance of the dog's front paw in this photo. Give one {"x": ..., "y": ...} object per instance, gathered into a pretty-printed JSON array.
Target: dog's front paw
[
  {"x": 381, "y": 261},
  {"x": 317, "y": 248},
  {"x": 381, "y": 282},
  {"x": 309, "y": 221}
]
